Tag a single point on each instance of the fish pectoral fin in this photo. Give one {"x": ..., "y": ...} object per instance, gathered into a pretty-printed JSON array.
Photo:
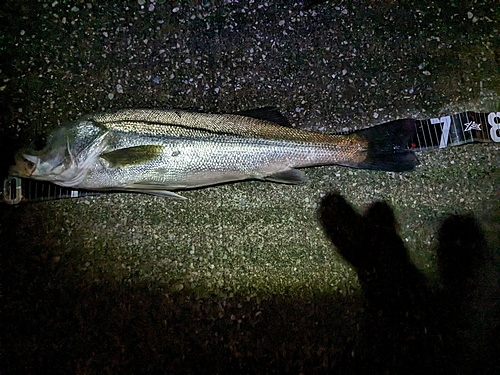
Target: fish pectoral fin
[
  {"x": 152, "y": 189},
  {"x": 132, "y": 155},
  {"x": 289, "y": 176}
]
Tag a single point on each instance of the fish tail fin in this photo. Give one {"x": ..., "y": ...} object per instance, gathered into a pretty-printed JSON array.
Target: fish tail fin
[{"x": 387, "y": 147}]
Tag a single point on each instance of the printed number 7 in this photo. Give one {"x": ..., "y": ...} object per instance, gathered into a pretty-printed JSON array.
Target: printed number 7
[{"x": 445, "y": 128}]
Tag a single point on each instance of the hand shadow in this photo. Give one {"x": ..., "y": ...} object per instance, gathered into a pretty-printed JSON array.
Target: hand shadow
[{"x": 407, "y": 326}]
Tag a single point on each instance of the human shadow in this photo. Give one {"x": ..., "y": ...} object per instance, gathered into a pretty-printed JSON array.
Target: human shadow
[{"x": 410, "y": 325}]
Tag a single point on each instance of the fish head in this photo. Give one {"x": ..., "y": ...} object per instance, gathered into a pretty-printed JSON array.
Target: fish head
[{"x": 57, "y": 162}]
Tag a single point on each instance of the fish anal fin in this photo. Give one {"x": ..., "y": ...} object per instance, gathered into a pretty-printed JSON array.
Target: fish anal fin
[
  {"x": 132, "y": 155},
  {"x": 266, "y": 113},
  {"x": 289, "y": 176}
]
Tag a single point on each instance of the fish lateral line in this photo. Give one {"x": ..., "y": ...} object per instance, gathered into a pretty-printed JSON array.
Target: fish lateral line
[{"x": 127, "y": 126}]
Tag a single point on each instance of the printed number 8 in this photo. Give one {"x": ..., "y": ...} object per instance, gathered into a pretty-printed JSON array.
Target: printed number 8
[{"x": 495, "y": 126}]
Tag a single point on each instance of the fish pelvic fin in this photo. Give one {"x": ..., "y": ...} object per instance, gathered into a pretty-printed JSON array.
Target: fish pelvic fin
[
  {"x": 132, "y": 155},
  {"x": 152, "y": 189},
  {"x": 386, "y": 147},
  {"x": 289, "y": 176},
  {"x": 158, "y": 193}
]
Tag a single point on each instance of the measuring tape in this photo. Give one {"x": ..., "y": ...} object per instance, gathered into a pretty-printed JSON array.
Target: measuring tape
[
  {"x": 16, "y": 190},
  {"x": 438, "y": 132},
  {"x": 454, "y": 130}
]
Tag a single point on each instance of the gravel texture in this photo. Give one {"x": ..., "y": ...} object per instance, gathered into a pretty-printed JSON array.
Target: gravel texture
[{"x": 239, "y": 277}]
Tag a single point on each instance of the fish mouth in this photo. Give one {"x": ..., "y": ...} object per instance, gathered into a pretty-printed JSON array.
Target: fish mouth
[{"x": 22, "y": 168}]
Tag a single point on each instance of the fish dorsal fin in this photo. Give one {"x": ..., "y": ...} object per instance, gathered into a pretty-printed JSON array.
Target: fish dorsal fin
[
  {"x": 132, "y": 155},
  {"x": 266, "y": 113}
]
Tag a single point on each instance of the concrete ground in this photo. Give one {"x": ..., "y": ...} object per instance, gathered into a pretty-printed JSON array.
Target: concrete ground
[{"x": 238, "y": 277}]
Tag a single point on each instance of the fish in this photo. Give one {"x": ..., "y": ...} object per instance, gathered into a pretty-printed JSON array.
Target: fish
[{"x": 160, "y": 151}]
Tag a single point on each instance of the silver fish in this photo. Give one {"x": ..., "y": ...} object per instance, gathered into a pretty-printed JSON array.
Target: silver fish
[{"x": 160, "y": 151}]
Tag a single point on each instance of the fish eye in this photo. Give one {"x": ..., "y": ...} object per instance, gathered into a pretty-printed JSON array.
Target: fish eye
[{"x": 39, "y": 142}]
